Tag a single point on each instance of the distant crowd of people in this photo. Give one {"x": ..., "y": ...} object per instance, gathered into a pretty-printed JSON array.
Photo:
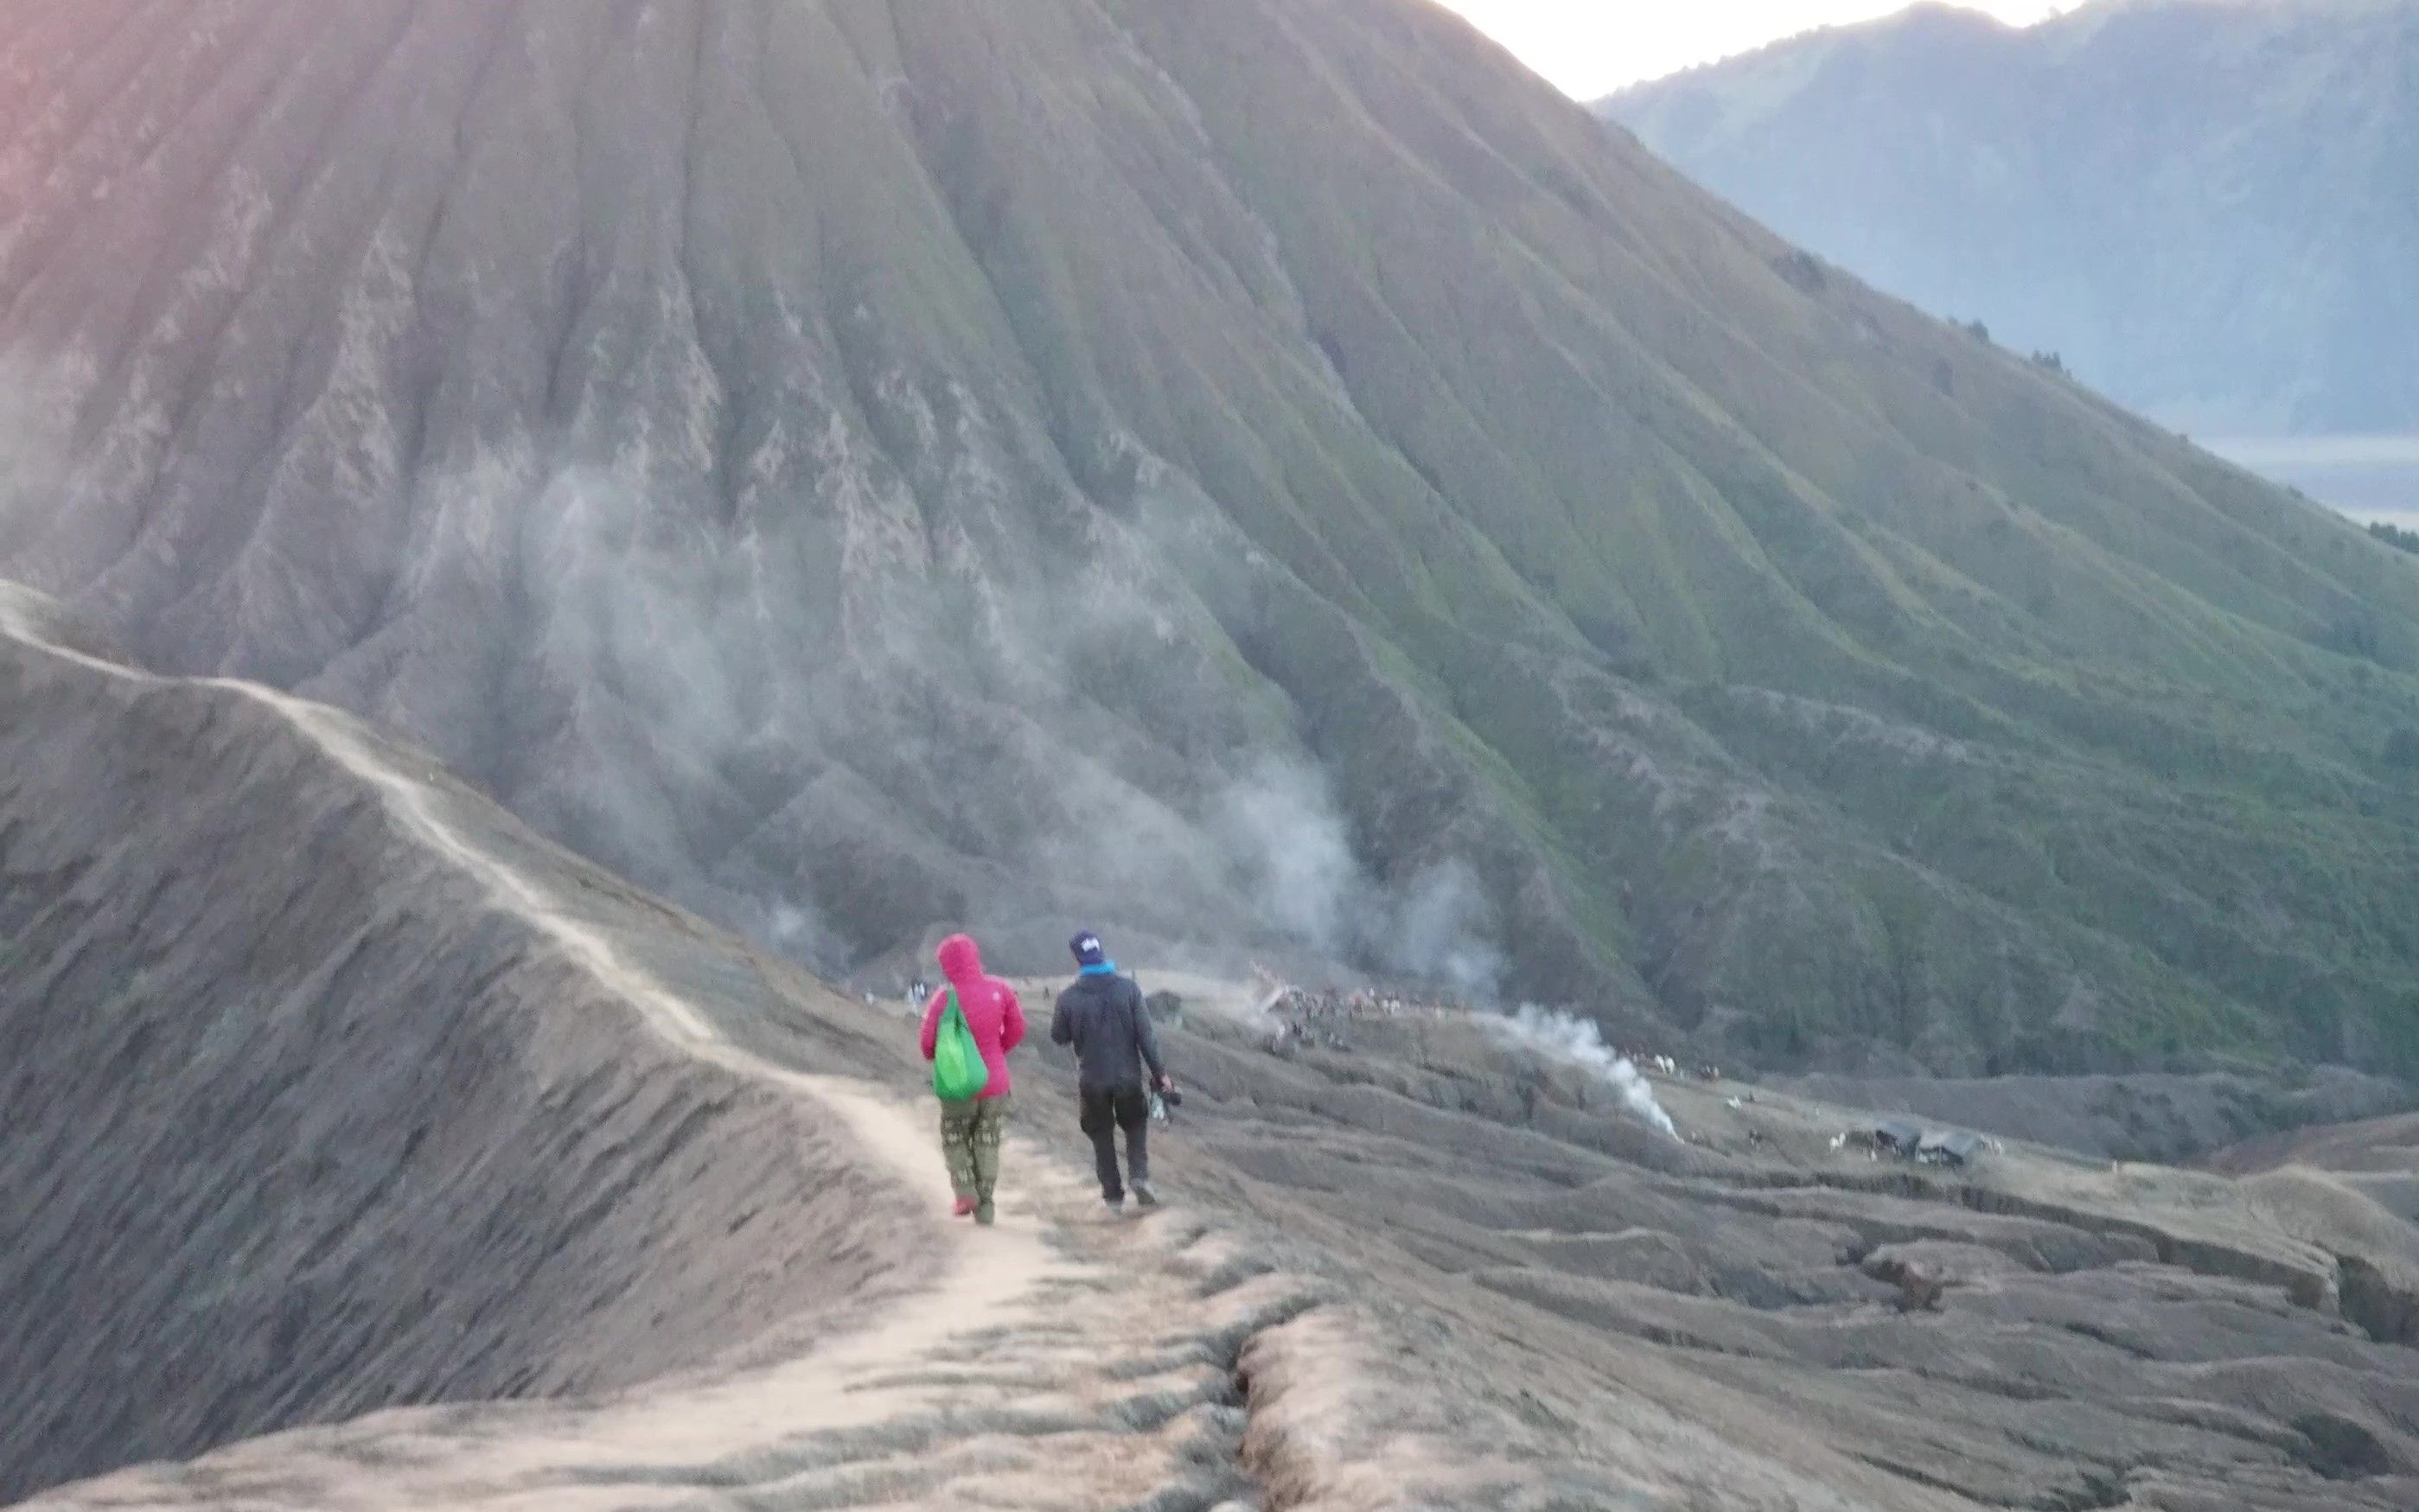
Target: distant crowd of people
[
  {"x": 1300, "y": 1017},
  {"x": 1275, "y": 996},
  {"x": 1662, "y": 1065}
]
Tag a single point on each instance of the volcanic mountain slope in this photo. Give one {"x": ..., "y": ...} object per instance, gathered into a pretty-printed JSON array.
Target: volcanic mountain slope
[
  {"x": 1266, "y": 473},
  {"x": 2202, "y": 207},
  {"x": 383, "y": 1155}
]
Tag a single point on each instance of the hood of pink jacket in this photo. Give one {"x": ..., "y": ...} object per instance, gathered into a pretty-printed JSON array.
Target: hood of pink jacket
[
  {"x": 961, "y": 961},
  {"x": 994, "y": 1016}
]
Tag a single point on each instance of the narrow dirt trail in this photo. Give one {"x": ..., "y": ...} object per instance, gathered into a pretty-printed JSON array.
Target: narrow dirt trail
[{"x": 1061, "y": 1359}]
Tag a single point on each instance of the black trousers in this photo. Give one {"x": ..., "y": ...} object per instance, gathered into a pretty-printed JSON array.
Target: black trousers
[{"x": 1106, "y": 1110}]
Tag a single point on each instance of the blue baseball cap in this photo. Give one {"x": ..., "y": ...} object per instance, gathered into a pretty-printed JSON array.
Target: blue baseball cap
[{"x": 1088, "y": 950}]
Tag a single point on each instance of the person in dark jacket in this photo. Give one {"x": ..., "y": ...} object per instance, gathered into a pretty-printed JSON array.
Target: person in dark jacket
[{"x": 1103, "y": 1016}]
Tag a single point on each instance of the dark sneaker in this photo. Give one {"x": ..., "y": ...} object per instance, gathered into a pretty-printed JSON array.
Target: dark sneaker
[
  {"x": 983, "y": 1214},
  {"x": 1116, "y": 1204},
  {"x": 1145, "y": 1197}
]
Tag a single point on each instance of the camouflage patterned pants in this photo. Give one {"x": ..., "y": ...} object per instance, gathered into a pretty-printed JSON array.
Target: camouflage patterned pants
[{"x": 970, "y": 1143}]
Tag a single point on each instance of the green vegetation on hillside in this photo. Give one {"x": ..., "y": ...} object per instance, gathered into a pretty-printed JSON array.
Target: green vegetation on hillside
[{"x": 860, "y": 466}]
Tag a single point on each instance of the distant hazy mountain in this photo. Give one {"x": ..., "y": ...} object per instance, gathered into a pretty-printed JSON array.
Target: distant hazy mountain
[{"x": 2210, "y": 208}]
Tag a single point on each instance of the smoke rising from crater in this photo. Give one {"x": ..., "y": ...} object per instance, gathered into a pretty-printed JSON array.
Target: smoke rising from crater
[
  {"x": 1575, "y": 1041},
  {"x": 1033, "y": 805},
  {"x": 1286, "y": 842}
]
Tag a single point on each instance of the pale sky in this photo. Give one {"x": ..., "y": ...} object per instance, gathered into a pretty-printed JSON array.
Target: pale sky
[{"x": 1593, "y": 47}]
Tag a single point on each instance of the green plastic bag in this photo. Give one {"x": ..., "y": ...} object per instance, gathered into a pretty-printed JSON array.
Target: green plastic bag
[{"x": 959, "y": 1074}]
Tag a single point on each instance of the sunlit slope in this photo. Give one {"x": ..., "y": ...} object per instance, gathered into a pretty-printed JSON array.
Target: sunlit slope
[{"x": 854, "y": 466}]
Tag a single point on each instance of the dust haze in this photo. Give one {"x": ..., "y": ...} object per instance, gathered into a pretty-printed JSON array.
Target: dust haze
[{"x": 677, "y": 650}]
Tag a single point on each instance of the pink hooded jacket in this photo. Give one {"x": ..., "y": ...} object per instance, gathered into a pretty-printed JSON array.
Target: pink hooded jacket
[{"x": 993, "y": 1012}]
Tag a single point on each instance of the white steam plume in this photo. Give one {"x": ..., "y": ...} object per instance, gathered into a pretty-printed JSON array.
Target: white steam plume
[{"x": 1578, "y": 1042}]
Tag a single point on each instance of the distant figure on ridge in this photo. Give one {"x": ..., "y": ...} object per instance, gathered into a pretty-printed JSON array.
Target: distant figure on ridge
[
  {"x": 970, "y": 1128},
  {"x": 1103, "y": 1016}
]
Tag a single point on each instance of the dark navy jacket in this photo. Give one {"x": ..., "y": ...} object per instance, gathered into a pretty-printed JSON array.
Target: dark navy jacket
[{"x": 1103, "y": 1016}]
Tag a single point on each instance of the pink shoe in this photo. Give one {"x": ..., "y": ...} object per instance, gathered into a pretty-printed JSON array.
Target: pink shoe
[{"x": 964, "y": 1208}]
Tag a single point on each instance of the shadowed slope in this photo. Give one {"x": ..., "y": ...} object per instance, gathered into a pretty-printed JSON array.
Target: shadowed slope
[
  {"x": 854, "y": 466},
  {"x": 300, "y": 1124}
]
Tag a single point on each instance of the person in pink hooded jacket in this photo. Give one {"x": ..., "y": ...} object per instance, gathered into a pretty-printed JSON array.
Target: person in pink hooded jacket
[{"x": 970, "y": 1131}]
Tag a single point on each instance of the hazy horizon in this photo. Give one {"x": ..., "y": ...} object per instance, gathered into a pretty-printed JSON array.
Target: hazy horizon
[
  {"x": 2368, "y": 477},
  {"x": 1591, "y": 50}
]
